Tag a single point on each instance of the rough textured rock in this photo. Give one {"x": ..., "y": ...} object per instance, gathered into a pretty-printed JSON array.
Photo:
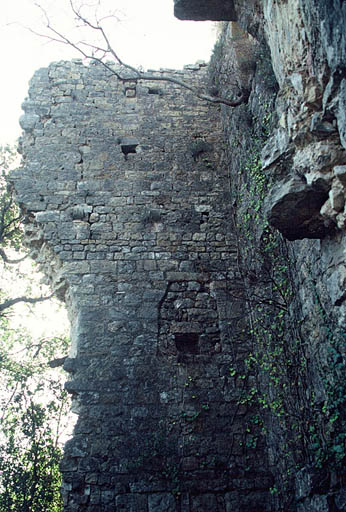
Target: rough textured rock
[
  {"x": 309, "y": 68},
  {"x": 204, "y": 10},
  {"x": 299, "y": 190},
  {"x": 295, "y": 210}
]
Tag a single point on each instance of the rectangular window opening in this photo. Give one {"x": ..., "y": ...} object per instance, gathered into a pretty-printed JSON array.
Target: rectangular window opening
[
  {"x": 187, "y": 342},
  {"x": 129, "y": 148},
  {"x": 154, "y": 90}
]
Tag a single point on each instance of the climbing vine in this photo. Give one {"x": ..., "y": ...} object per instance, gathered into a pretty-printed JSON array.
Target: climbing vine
[{"x": 303, "y": 419}]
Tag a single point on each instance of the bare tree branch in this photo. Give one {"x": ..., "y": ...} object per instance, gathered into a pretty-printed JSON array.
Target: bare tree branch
[
  {"x": 10, "y": 261},
  {"x": 5, "y": 408},
  {"x": 9, "y": 215},
  {"x": 29, "y": 300},
  {"x": 55, "y": 363},
  {"x": 96, "y": 53},
  {"x": 38, "y": 346}
]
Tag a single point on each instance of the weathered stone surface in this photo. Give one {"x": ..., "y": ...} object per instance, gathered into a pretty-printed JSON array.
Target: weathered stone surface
[
  {"x": 134, "y": 217},
  {"x": 311, "y": 481},
  {"x": 131, "y": 502},
  {"x": 340, "y": 173},
  {"x": 159, "y": 502},
  {"x": 341, "y": 113},
  {"x": 302, "y": 187},
  {"x": 340, "y": 500},
  {"x": 216, "y": 10},
  {"x": 276, "y": 148},
  {"x": 29, "y": 121},
  {"x": 315, "y": 504},
  {"x": 295, "y": 210},
  {"x": 291, "y": 31}
]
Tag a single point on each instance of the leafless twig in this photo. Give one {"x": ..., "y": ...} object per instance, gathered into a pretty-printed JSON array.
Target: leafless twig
[
  {"x": 9, "y": 260},
  {"x": 97, "y": 53},
  {"x": 28, "y": 300}
]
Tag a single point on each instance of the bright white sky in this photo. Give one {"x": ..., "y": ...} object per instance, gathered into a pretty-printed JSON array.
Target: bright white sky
[
  {"x": 44, "y": 319},
  {"x": 148, "y": 35}
]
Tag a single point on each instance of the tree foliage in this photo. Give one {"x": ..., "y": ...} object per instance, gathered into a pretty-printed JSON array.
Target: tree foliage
[
  {"x": 10, "y": 217},
  {"x": 34, "y": 407},
  {"x": 11, "y": 231},
  {"x": 33, "y": 403}
]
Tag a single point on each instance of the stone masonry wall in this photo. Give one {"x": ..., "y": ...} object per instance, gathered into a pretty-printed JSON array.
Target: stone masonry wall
[
  {"x": 287, "y": 172},
  {"x": 125, "y": 191}
]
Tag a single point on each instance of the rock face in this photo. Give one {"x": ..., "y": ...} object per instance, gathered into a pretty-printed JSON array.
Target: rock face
[
  {"x": 310, "y": 71},
  {"x": 301, "y": 202},
  {"x": 204, "y": 10},
  {"x": 201, "y": 254},
  {"x": 287, "y": 160}
]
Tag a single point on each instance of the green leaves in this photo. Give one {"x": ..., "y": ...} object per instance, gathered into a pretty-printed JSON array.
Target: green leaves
[
  {"x": 33, "y": 402},
  {"x": 10, "y": 216}
]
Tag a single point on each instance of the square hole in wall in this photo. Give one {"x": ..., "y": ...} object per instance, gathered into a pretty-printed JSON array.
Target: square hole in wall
[
  {"x": 128, "y": 148},
  {"x": 155, "y": 90},
  {"x": 130, "y": 93},
  {"x": 128, "y": 145},
  {"x": 187, "y": 342}
]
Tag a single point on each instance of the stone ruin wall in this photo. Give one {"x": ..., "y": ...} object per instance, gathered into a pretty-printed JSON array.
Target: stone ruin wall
[
  {"x": 125, "y": 190},
  {"x": 303, "y": 163}
]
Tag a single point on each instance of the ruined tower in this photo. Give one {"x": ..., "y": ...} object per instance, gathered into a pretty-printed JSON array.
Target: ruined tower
[{"x": 125, "y": 192}]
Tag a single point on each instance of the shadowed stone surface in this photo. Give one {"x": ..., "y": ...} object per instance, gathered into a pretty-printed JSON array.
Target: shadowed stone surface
[
  {"x": 301, "y": 202},
  {"x": 215, "y": 10},
  {"x": 126, "y": 210}
]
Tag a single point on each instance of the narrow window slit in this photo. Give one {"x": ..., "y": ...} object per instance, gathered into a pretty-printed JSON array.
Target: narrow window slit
[
  {"x": 154, "y": 90},
  {"x": 129, "y": 148}
]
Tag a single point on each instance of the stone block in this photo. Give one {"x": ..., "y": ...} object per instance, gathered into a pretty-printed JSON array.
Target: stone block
[
  {"x": 204, "y": 502},
  {"x": 340, "y": 500},
  {"x": 131, "y": 503},
  {"x": 337, "y": 197},
  {"x": 318, "y": 503},
  {"x": 214, "y": 10},
  {"x": 310, "y": 481},
  {"x": 29, "y": 121},
  {"x": 162, "y": 502},
  {"x": 339, "y": 172},
  {"x": 107, "y": 496},
  {"x": 48, "y": 216}
]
